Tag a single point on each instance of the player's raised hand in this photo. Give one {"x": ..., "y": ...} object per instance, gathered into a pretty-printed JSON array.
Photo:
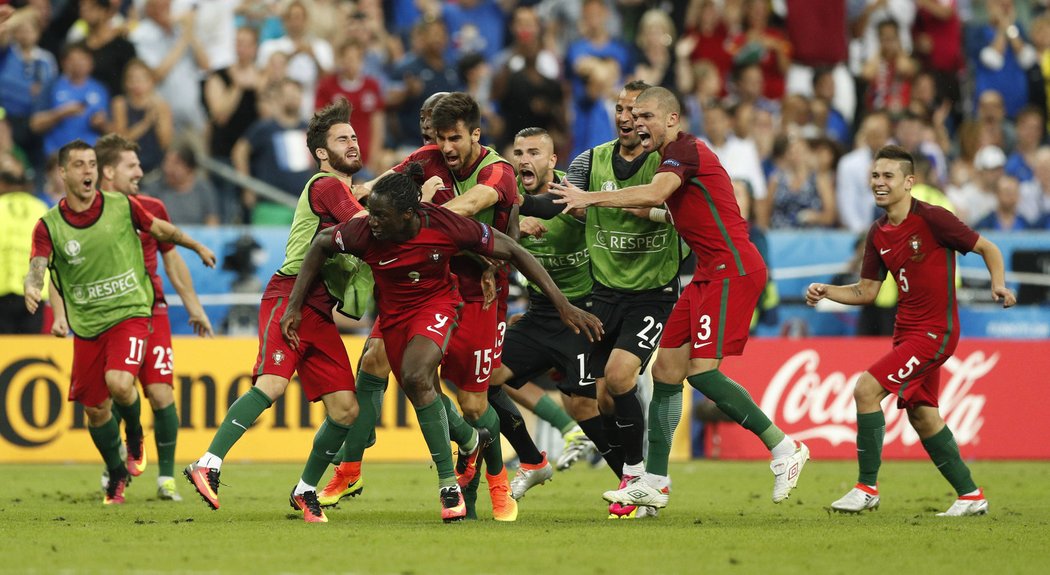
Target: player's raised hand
[
  {"x": 290, "y": 326},
  {"x": 60, "y": 327},
  {"x": 571, "y": 196},
  {"x": 1007, "y": 295},
  {"x": 431, "y": 187},
  {"x": 201, "y": 325},
  {"x": 488, "y": 286},
  {"x": 815, "y": 292},
  {"x": 207, "y": 256},
  {"x": 581, "y": 321}
]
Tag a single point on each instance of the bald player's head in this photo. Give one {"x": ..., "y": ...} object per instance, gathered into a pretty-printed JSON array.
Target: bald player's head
[
  {"x": 662, "y": 98},
  {"x": 424, "y": 116},
  {"x": 656, "y": 114}
]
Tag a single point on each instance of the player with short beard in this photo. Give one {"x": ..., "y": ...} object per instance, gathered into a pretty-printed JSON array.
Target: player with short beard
[
  {"x": 320, "y": 360},
  {"x": 712, "y": 318}
]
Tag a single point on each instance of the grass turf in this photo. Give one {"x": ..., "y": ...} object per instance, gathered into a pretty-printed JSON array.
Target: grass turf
[{"x": 720, "y": 520}]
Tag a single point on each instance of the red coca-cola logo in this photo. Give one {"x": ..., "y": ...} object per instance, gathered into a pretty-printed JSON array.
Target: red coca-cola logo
[{"x": 810, "y": 404}]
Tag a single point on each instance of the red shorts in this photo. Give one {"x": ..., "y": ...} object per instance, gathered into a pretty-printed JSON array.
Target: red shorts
[
  {"x": 436, "y": 322},
  {"x": 377, "y": 331},
  {"x": 321, "y": 360},
  {"x": 119, "y": 348},
  {"x": 501, "y": 330},
  {"x": 158, "y": 365},
  {"x": 470, "y": 358},
  {"x": 911, "y": 370},
  {"x": 715, "y": 316}
]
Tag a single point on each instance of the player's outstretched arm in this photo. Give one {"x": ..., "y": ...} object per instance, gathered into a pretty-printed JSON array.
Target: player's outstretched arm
[
  {"x": 167, "y": 232},
  {"x": 34, "y": 283},
  {"x": 860, "y": 293},
  {"x": 473, "y": 200},
  {"x": 654, "y": 193},
  {"x": 320, "y": 250},
  {"x": 181, "y": 280},
  {"x": 527, "y": 264},
  {"x": 993, "y": 260}
]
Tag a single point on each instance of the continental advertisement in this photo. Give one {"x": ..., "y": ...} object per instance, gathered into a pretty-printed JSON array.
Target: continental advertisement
[{"x": 38, "y": 424}]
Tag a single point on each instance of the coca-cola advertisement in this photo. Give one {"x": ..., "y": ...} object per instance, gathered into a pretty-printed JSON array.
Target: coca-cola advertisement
[{"x": 993, "y": 394}]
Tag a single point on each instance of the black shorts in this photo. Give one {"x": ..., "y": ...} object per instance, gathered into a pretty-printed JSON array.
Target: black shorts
[
  {"x": 632, "y": 321},
  {"x": 538, "y": 342}
]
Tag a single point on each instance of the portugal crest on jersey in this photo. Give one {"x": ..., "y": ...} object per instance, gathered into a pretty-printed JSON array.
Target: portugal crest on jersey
[
  {"x": 915, "y": 243},
  {"x": 278, "y": 357}
]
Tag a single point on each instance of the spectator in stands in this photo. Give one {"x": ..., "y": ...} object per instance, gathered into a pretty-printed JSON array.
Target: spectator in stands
[
  {"x": 1040, "y": 29},
  {"x": 834, "y": 125},
  {"x": 274, "y": 151},
  {"x": 26, "y": 73},
  {"x": 817, "y": 31},
  {"x": 381, "y": 48},
  {"x": 526, "y": 89},
  {"x": 476, "y": 75},
  {"x": 1030, "y": 130},
  {"x": 422, "y": 72},
  {"x": 938, "y": 48},
  {"x": 856, "y": 206},
  {"x": 912, "y": 134},
  {"x": 231, "y": 96},
  {"x": 748, "y": 87},
  {"x": 1005, "y": 217},
  {"x": 76, "y": 106},
  {"x": 475, "y": 26},
  {"x": 19, "y": 213},
  {"x": 655, "y": 58},
  {"x": 706, "y": 37},
  {"x": 309, "y": 57},
  {"x": 175, "y": 55},
  {"x": 994, "y": 127},
  {"x": 110, "y": 50},
  {"x": 1004, "y": 56},
  {"x": 1034, "y": 205},
  {"x": 801, "y": 197},
  {"x": 976, "y": 198},
  {"x": 215, "y": 28},
  {"x": 740, "y": 158},
  {"x": 864, "y": 17},
  {"x": 925, "y": 187},
  {"x": 765, "y": 45},
  {"x": 596, "y": 64},
  {"x": 141, "y": 115},
  {"x": 188, "y": 195},
  {"x": 367, "y": 114},
  {"x": 703, "y": 88},
  {"x": 888, "y": 72}
]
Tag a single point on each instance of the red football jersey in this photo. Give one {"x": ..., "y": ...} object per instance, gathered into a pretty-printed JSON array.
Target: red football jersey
[
  {"x": 920, "y": 253},
  {"x": 150, "y": 245},
  {"x": 705, "y": 211},
  {"x": 412, "y": 273},
  {"x": 498, "y": 176}
]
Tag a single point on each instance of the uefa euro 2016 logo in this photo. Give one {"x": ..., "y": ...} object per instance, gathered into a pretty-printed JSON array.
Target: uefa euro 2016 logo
[{"x": 72, "y": 249}]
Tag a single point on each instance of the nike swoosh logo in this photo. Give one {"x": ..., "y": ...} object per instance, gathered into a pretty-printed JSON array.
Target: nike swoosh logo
[
  {"x": 586, "y": 382},
  {"x": 699, "y": 345},
  {"x": 130, "y": 362},
  {"x": 331, "y": 452},
  {"x": 383, "y": 263},
  {"x": 165, "y": 443},
  {"x": 431, "y": 328},
  {"x": 482, "y": 379},
  {"x": 239, "y": 425},
  {"x": 621, "y": 426},
  {"x": 885, "y": 251}
]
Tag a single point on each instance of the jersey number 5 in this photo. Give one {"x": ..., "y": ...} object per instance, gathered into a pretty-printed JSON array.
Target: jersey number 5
[{"x": 904, "y": 372}]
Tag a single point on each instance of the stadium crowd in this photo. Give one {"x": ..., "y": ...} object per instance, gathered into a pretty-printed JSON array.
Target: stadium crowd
[{"x": 794, "y": 95}]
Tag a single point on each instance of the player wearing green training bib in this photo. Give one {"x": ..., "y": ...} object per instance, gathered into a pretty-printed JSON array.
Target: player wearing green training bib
[
  {"x": 635, "y": 263},
  {"x": 90, "y": 243}
]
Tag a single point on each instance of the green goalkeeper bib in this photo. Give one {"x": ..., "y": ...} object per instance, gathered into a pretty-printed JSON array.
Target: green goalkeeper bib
[
  {"x": 346, "y": 278},
  {"x": 563, "y": 253},
  {"x": 627, "y": 252},
  {"x": 99, "y": 269}
]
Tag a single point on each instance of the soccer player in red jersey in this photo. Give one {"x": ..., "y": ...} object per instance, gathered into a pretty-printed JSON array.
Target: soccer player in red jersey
[
  {"x": 410, "y": 246},
  {"x": 712, "y": 317},
  {"x": 916, "y": 243},
  {"x": 373, "y": 373},
  {"x": 320, "y": 358},
  {"x": 120, "y": 171},
  {"x": 91, "y": 243}
]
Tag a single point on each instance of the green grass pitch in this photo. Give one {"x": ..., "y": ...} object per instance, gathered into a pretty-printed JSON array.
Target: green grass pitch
[{"x": 720, "y": 520}]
